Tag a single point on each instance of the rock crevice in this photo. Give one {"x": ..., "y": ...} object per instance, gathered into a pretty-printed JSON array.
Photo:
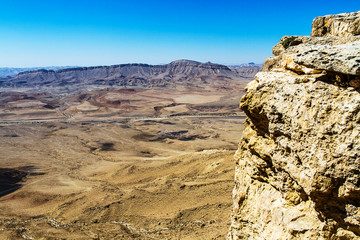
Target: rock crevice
[{"x": 298, "y": 165}]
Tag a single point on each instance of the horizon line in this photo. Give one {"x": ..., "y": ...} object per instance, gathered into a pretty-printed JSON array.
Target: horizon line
[{"x": 106, "y": 65}]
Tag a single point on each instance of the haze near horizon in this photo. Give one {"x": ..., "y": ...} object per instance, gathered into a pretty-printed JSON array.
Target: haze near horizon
[{"x": 89, "y": 33}]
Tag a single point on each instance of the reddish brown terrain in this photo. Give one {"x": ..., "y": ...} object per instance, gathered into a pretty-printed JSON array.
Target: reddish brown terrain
[{"x": 118, "y": 162}]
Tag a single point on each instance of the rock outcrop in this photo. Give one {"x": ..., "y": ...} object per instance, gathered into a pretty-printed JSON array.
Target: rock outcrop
[
  {"x": 298, "y": 163},
  {"x": 346, "y": 24}
]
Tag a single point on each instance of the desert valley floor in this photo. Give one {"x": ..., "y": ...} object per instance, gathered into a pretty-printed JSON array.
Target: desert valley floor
[{"x": 118, "y": 164}]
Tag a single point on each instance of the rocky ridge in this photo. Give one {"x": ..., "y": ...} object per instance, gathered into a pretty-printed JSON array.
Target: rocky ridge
[
  {"x": 11, "y": 72},
  {"x": 247, "y": 71},
  {"x": 298, "y": 165},
  {"x": 183, "y": 72}
]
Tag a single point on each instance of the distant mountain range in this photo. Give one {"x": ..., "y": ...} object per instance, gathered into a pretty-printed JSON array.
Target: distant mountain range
[
  {"x": 251, "y": 64},
  {"x": 180, "y": 72},
  {"x": 6, "y": 71}
]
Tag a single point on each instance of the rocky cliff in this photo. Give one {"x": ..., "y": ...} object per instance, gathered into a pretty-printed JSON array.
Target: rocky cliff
[
  {"x": 183, "y": 72},
  {"x": 298, "y": 163},
  {"x": 247, "y": 71}
]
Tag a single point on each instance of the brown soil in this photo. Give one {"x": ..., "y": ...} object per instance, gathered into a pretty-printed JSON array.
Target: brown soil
[{"x": 117, "y": 169}]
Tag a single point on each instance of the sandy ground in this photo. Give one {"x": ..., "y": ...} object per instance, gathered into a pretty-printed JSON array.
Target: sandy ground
[{"x": 119, "y": 165}]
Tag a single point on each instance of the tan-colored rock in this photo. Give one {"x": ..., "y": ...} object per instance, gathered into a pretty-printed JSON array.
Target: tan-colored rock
[
  {"x": 311, "y": 55},
  {"x": 298, "y": 163},
  {"x": 345, "y": 24},
  {"x": 343, "y": 58}
]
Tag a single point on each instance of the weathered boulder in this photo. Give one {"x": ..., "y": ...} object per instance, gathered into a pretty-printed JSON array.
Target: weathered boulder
[
  {"x": 345, "y": 24},
  {"x": 298, "y": 163}
]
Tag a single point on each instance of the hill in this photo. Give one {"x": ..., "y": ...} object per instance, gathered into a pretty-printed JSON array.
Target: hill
[{"x": 180, "y": 72}]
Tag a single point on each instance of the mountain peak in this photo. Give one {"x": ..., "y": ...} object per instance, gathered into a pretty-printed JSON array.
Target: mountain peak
[{"x": 184, "y": 61}]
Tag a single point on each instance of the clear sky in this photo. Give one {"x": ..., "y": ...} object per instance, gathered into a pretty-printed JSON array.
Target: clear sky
[{"x": 107, "y": 32}]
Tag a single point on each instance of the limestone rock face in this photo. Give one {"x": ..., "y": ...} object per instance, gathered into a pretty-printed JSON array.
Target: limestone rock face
[
  {"x": 346, "y": 24},
  {"x": 298, "y": 163}
]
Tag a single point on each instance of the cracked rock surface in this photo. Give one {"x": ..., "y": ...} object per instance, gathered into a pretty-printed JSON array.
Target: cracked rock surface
[{"x": 298, "y": 163}]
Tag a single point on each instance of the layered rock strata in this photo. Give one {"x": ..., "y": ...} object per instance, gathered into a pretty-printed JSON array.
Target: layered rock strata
[
  {"x": 298, "y": 163},
  {"x": 180, "y": 72}
]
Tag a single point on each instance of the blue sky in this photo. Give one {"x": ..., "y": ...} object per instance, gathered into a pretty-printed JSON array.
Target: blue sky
[{"x": 88, "y": 33}]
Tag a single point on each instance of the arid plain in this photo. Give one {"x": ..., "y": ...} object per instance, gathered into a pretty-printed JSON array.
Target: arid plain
[{"x": 118, "y": 163}]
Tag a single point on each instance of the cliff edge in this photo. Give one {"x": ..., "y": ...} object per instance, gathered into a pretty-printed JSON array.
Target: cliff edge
[{"x": 298, "y": 163}]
